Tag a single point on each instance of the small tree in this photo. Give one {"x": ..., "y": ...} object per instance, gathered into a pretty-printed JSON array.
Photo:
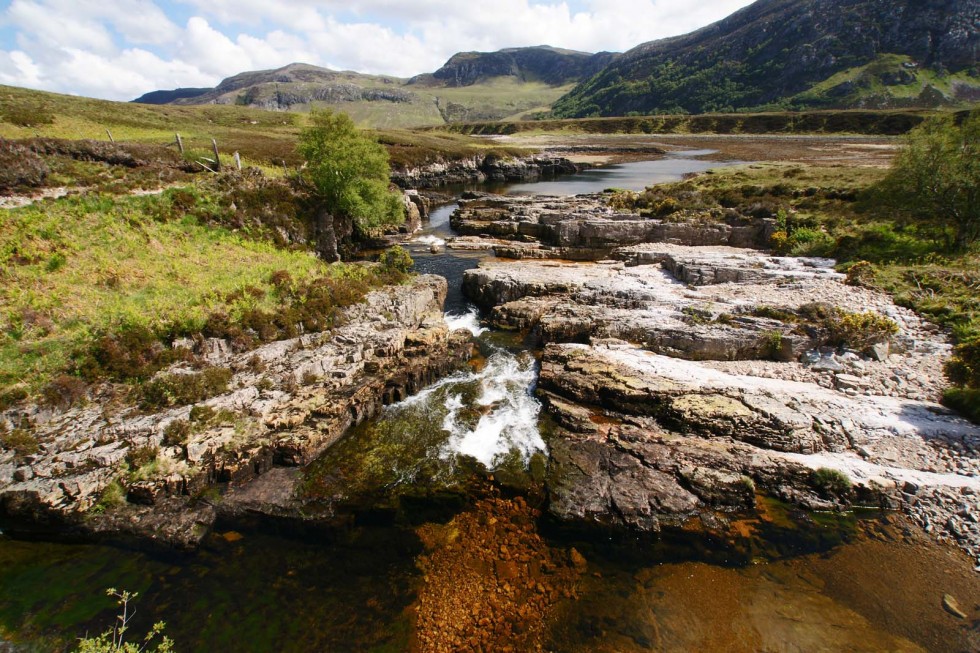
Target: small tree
[
  {"x": 113, "y": 640},
  {"x": 936, "y": 178},
  {"x": 349, "y": 172}
]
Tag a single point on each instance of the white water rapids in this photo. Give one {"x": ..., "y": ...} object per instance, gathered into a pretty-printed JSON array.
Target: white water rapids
[{"x": 490, "y": 414}]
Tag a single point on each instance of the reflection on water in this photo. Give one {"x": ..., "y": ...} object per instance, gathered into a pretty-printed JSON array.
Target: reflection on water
[{"x": 636, "y": 175}]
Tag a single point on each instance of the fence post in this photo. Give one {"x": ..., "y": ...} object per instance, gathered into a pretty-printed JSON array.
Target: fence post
[
  {"x": 217, "y": 161},
  {"x": 180, "y": 144}
]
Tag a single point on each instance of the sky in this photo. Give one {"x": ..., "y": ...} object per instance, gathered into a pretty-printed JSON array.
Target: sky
[{"x": 120, "y": 49}]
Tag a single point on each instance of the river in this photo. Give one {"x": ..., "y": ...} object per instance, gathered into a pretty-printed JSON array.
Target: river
[{"x": 806, "y": 584}]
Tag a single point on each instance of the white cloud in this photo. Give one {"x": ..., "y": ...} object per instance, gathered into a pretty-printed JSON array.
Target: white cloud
[{"x": 119, "y": 49}]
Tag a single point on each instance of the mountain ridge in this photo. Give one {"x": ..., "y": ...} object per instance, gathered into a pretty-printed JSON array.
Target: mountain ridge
[{"x": 774, "y": 50}]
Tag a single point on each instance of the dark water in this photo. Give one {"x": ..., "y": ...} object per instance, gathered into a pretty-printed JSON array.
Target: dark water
[{"x": 259, "y": 588}]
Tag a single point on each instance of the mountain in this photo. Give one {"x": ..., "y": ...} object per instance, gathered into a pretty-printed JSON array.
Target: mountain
[
  {"x": 170, "y": 97},
  {"x": 793, "y": 54},
  {"x": 552, "y": 66},
  {"x": 470, "y": 86}
]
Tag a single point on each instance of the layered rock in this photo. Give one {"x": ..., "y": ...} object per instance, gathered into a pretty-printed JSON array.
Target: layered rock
[
  {"x": 678, "y": 393},
  {"x": 287, "y": 402},
  {"x": 483, "y": 169},
  {"x": 584, "y": 227}
]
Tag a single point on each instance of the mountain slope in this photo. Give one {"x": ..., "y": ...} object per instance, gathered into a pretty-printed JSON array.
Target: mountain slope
[
  {"x": 470, "y": 86},
  {"x": 778, "y": 53},
  {"x": 552, "y": 66}
]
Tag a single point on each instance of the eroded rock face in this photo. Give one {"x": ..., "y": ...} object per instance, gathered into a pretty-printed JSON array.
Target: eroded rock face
[
  {"x": 583, "y": 227},
  {"x": 480, "y": 169},
  {"x": 287, "y": 402},
  {"x": 677, "y": 395}
]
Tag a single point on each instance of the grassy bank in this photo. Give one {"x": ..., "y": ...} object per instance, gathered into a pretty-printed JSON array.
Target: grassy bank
[
  {"x": 265, "y": 139},
  {"x": 883, "y": 123},
  {"x": 99, "y": 286}
]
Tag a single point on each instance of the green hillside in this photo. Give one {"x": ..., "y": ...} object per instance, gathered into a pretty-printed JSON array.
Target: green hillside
[{"x": 797, "y": 54}]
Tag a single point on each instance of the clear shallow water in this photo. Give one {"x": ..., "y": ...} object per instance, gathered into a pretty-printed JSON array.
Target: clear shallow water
[{"x": 275, "y": 588}]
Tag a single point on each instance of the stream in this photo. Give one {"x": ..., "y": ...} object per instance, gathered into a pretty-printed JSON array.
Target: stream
[{"x": 837, "y": 584}]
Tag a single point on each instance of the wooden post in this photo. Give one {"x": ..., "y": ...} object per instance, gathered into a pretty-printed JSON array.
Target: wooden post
[
  {"x": 217, "y": 161},
  {"x": 111, "y": 139},
  {"x": 238, "y": 162},
  {"x": 180, "y": 144}
]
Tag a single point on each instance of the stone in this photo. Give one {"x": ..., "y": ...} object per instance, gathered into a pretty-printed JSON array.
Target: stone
[{"x": 951, "y": 606}]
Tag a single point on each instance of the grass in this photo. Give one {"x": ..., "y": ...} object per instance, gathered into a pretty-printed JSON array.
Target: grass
[
  {"x": 854, "y": 121},
  {"x": 890, "y": 80},
  {"x": 76, "y": 268},
  {"x": 264, "y": 139}
]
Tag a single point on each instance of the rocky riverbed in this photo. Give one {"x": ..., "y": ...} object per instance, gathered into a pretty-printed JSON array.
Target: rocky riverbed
[
  {"x": 287, "y": 402},
  {"x": 689, "y": 376}
]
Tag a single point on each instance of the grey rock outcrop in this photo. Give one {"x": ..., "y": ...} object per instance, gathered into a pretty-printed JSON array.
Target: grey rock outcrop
[{"x": 287, "y": 402}]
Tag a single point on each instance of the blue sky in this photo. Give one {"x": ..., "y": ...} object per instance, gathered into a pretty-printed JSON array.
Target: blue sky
[{"x": 119, "y": 49}]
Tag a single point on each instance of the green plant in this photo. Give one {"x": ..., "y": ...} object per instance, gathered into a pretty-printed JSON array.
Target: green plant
[
  {"x": 860, "y": 274},
  {"x": 20, "y": 441},
  {"x": 963, "y": 368},
  {"x": 26, "y": 113},
  {"x": 830, "y": 482},
  {"x": 113, "y": 495},
  {"x": 349, "y": 172},
  {"x": 64, "y": 391},
  {"x": 860, "y": 330},
  {"x": 936, "y": 178},
  {"x": 396, "y": 260},
  {"x": 138, "y": 457},
  {"x": 773, "y": 344},
  {"x": 176, "y": 433},
  {"x": 179, "y": 389},
  {"x": 113, "y": 640}
]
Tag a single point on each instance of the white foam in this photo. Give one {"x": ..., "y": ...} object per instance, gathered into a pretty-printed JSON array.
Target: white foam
[
  {"x": 510, "y": 422},
  {"x": 469, "y": 320},
  {"x": 430, "y": 241}
]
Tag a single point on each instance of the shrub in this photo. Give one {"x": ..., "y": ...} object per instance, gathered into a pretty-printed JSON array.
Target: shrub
[
  {"x": 113, "y": 496},
  {"x": 176, "y": 433},
  {"x": 64, "y": 391},
  {"x": 180, "y": 389},
  {"x": 20, "y": 167},
  {"x": 860, "y": 330},
  {"x": 396, "y": 260},
  {"x": 830, "y": 482},
  {"x": 965, "y": 401},
  {"x": 21, "y": 441},
  {"x": 861, "y": 274},
  {"x": 773, "y": 344},
  {"x": 138, "y": 457},
  {"x": 935, "y": 179},
  {"x": 132, "y": 352},
  {"x": 12, "y": 395},
  {"x": 963, "y": 369}
]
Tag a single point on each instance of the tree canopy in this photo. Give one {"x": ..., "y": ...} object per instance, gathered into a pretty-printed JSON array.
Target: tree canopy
[
  {"x": 936, "y": 178},
  {"x": 349, "y": 172}
]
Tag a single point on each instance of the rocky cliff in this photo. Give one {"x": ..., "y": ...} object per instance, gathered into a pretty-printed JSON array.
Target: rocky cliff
[
  {"x": 113, "y": 469},
  {"x": 797, "y": 53},
  {"x": 543, "y": 63}
]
